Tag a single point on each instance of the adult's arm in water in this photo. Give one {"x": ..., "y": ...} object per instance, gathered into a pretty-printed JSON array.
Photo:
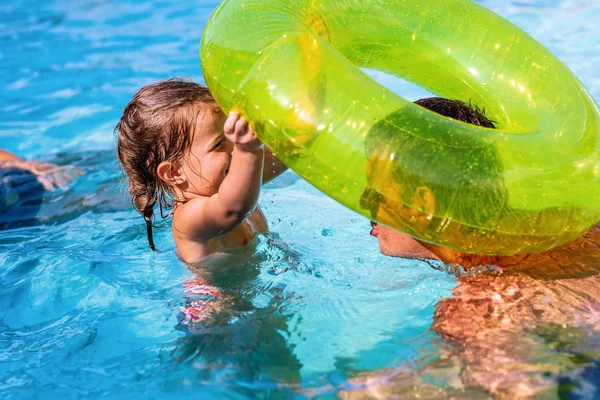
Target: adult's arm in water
[{"x": 7, "y": 156}]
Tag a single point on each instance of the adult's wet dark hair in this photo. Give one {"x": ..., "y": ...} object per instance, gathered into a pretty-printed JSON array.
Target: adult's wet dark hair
[
  {"x": 461, "y": 178},
  {"x": 157, "y": 125},
  {"x": 458, "y": 110}
]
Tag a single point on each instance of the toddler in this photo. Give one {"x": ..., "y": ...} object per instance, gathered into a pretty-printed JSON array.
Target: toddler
[{"x": 182, "y": 153}]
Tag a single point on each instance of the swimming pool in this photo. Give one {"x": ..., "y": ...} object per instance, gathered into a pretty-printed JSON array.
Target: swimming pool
[{"x": 87, "y": 310}]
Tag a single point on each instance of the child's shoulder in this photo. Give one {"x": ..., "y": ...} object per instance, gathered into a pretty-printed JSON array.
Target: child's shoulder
[
  {"x": 189, "y": 218},
  {"x": 197, "y": 219}
]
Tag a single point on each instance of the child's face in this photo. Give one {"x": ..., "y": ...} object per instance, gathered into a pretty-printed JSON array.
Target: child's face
[{"x": 207, "y": 162}]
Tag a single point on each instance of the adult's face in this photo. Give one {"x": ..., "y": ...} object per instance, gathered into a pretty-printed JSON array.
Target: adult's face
[{"x": 391, "y": 242}]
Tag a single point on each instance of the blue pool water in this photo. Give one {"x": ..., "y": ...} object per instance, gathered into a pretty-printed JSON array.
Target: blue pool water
[{"x": 87, "y": 310}]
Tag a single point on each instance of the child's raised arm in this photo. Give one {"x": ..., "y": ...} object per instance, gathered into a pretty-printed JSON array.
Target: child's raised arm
[{"x": 238, "y": 194}]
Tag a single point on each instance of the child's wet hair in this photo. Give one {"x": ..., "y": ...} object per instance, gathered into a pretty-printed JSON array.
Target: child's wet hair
[{"x": 158, "y": 125}]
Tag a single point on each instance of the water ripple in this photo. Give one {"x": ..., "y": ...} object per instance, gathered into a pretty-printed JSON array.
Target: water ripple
[{"x": 86, "y": 310}]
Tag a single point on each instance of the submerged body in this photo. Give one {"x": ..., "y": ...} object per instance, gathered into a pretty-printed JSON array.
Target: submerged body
[{"x": 515, "y": 335}]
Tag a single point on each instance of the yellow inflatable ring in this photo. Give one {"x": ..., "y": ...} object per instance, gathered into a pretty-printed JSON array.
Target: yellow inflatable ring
[{"x": 292, "y": 66}]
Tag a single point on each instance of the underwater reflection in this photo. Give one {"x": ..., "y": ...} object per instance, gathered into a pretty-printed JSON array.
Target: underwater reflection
[
  {"x": 528, "y": 330},
  {"x": 518, "y": 335},
  {"x": 235, "y": 322}
]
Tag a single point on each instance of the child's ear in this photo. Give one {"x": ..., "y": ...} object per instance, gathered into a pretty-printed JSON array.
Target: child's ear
[
  {"x": 424, "y": 200},
  {"x": 170, "y": 173}
]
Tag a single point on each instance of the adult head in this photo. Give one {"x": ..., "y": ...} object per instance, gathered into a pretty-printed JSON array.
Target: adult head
[{"x": 426, "y": 180}]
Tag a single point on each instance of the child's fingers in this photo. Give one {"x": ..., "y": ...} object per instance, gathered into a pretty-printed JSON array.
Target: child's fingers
[
  {"x": 232, "y": 119},
  {"x": 241, "y": 126}
]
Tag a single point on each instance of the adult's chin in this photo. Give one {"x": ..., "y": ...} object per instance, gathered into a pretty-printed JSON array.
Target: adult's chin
[{"x": 405, "y": 247}]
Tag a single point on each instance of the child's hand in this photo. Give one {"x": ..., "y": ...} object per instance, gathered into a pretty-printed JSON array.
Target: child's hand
[{"x": 238, "y": 132}]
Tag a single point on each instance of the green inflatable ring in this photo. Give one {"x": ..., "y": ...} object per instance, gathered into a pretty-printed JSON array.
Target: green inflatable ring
[{"x": 293, "y": 68}]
